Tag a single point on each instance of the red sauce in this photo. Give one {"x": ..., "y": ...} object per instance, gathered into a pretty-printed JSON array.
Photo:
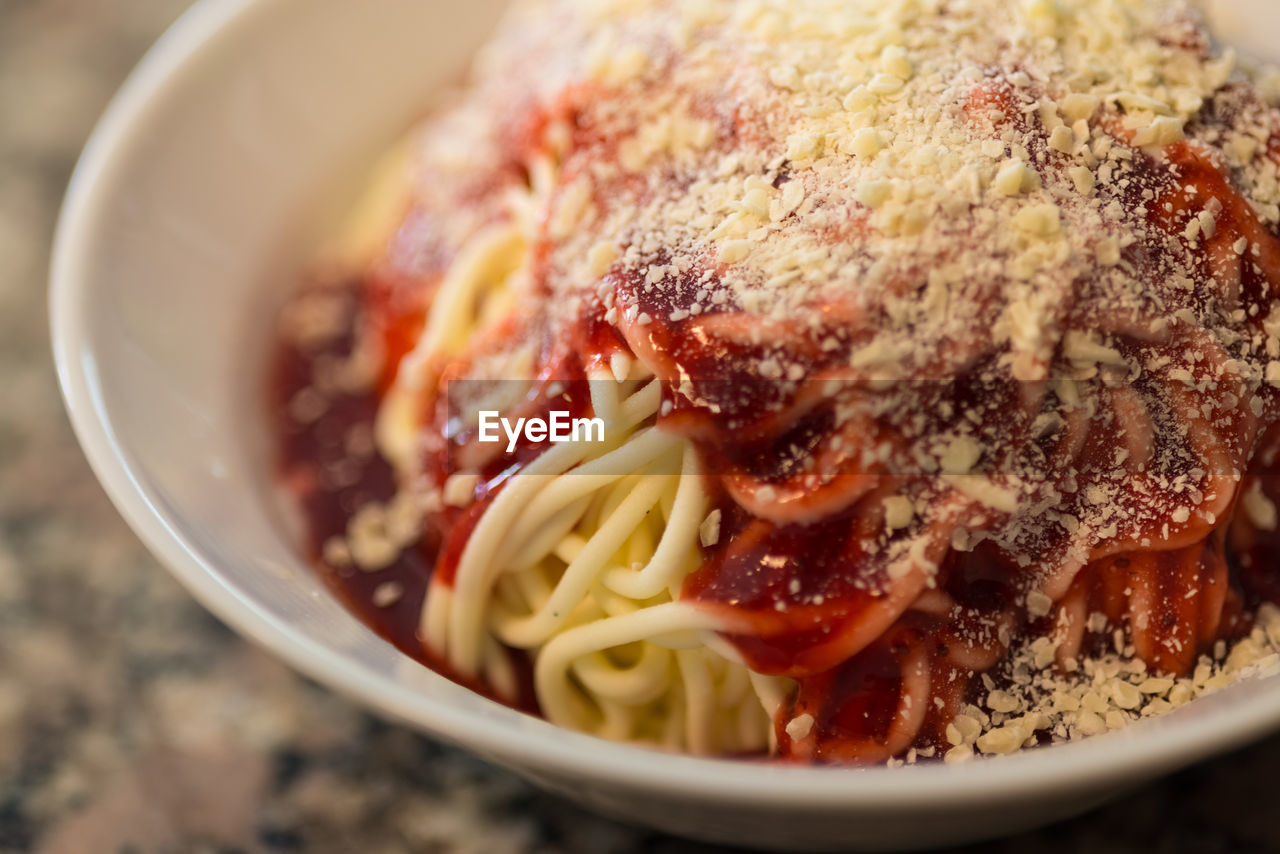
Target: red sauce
[
  {"x": 331, "y": 483},
  {"x": 802, "y": 589}
]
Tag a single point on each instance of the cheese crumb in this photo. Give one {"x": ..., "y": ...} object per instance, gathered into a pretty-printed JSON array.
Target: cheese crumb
[
  {"x": 865, "y": 142},
  {"x": 387, "y": 594},
  {"x": 460, "y": 490},
  {"x": 1079, "y": 106},
  {"x": 1005, "y": 739},
  {"x": 800, "y": 726},
  {"x": 898, "y": 512},
  {"x": 961, "y": 455},
  {"x": 1083, "y": 179},
  {"x": 1163, "y": 130},
  {"x": 1259, "y": 507},
  {"x": 893, "y": 60},
  {"x": 601, "y": 257},
  {"x": 1038, "y": 604},
  {"x": 873, "y": 194},
  {"x": 709, "y": 530},
  {"x": 1015, "y": 178},
  {"x": 1040, "y": 220}
]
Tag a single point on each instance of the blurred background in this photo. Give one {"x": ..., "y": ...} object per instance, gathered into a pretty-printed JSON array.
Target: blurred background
[{"x": 132, "y": 722}]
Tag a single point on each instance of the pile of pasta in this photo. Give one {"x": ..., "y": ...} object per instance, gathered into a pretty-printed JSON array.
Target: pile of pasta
[{"x": 923, "y": 334}]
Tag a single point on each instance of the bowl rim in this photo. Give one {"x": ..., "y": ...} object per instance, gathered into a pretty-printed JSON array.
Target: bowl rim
[{"x": 1094, "y": 763}]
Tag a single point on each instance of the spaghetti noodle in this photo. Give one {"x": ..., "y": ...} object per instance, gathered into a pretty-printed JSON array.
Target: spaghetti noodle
[{"x": 933, "y": 347}]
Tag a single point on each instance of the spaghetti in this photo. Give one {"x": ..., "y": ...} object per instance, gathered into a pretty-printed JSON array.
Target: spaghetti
[{"x": 933, "y": 346}]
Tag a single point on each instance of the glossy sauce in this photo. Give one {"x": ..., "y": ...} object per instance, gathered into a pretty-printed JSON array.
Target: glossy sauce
[
  {"x": 330, "y": 482},
  {"x": 798, "y": 586}
]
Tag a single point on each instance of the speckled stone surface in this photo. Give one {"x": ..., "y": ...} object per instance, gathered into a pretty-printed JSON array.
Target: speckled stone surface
[{"x": 131, "y": 722}]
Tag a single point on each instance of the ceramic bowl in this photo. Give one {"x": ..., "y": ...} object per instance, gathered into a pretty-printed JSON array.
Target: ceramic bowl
[{"x": 193, "y": 210}]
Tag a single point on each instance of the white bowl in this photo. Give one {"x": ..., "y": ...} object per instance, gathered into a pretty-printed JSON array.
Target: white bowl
[{"x": 191, "y": 212}]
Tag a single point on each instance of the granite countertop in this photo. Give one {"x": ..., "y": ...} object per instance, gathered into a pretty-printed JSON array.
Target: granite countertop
[{"x": 132, "y": 721}]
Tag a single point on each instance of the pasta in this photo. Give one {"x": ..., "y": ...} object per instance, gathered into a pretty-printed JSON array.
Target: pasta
[{"x": 913, "y": 364}]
